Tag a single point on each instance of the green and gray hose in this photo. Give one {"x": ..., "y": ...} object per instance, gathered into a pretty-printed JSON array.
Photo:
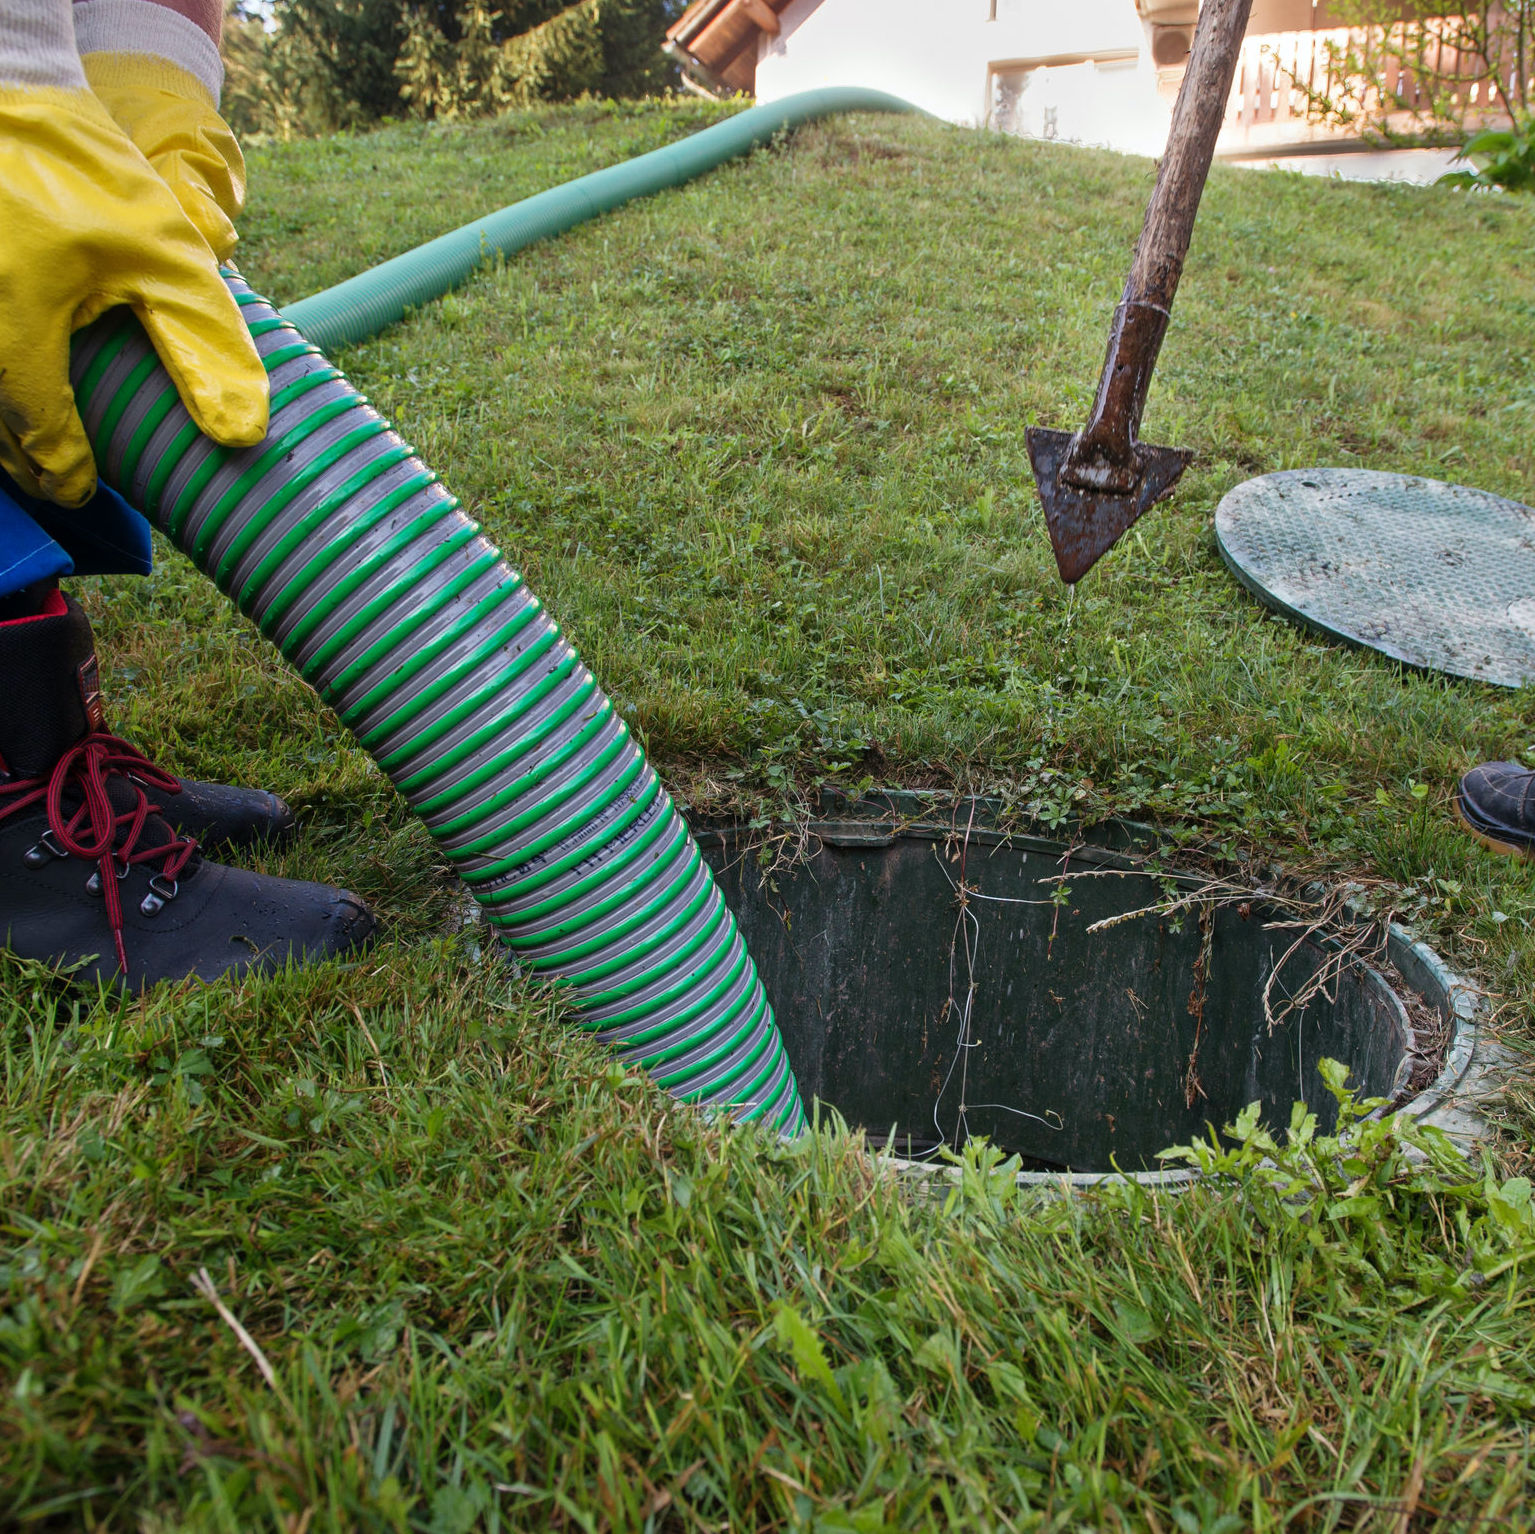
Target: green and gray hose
[{"x": 352, "y": 559}]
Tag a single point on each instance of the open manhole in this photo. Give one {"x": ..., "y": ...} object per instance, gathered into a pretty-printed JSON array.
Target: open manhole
[{"x": 936, "y": 980}]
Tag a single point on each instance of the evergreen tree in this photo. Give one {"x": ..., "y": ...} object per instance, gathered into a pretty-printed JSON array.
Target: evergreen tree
[
  {"x": 457, "y": 58},
  {"x": 353, "y": 44},
  {"x": 274, "y": 83}
]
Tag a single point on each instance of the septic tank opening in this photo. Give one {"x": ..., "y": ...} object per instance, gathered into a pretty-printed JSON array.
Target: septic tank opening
[{"x": 934, "y": 981}]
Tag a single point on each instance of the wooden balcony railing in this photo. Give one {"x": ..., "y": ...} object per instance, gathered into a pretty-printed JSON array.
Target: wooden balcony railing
[{"x": 1282, "y": 75}]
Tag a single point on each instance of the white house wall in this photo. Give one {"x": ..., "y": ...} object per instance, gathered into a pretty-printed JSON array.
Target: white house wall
[{"x": 1084, "y": 66}]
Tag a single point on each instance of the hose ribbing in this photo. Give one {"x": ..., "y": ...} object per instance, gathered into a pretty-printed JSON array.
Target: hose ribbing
[
  {"x": 354, "y": 561},
  {"x": 349, "y": 555}
]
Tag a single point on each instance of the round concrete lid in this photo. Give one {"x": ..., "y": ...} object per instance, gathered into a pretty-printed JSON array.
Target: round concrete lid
[{"x": 1434, "y": 575}]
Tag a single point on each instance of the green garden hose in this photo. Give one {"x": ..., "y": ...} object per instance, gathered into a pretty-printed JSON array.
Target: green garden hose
[
  {"x": 366, "y": 304},
  {"x": 343, "y": 548}
]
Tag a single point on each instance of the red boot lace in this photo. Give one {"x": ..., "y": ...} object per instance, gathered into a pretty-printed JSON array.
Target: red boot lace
[{"x": 96, "y": 832}]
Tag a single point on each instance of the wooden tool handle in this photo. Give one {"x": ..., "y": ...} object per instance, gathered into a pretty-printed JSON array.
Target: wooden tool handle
[
  {"x": 1103, "y": 456},
  {"x": 1197, "y": 117}
]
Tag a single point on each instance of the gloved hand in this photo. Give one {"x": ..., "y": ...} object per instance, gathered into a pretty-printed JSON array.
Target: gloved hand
[
  {"x": 175, "y": 125},
  {"x": 88, "y": 225}
]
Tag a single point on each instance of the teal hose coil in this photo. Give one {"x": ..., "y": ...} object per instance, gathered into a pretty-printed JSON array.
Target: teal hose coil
[{"x": 343, "y": 548}]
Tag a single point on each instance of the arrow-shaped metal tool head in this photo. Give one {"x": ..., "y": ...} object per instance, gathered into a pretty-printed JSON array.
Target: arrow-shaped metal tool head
[
  {"x": 1086, "y": 523},
  {"x": 1095, "y": 483}
]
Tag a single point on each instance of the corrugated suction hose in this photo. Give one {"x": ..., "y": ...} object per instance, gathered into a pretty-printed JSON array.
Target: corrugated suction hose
[{"x": 342, "y": 546}]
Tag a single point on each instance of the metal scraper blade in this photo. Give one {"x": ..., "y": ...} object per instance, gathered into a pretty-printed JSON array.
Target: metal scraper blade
[{"x": 1085, "y": 524}]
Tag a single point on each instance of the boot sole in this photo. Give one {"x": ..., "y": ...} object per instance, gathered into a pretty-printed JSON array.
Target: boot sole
[{"x": 1489, "y": 841}]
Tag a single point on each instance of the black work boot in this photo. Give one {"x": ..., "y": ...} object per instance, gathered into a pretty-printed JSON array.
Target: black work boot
[
  {"x": 212, "y": 814},
  {"x": 221, "y": 815},
  {"x": 90, "y": 867},
  {"x": 1496, "y": 801}
]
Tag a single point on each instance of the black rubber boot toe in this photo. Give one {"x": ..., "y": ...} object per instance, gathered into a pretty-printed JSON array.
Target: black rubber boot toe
[
  {"x": 209, "y": 921},
  {"x": 1497, "y": 803},
  {"x": 220, "y": 815}
]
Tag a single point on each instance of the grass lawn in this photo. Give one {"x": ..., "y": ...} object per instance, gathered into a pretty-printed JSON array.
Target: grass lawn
[{"x": 387, "y": 1246}]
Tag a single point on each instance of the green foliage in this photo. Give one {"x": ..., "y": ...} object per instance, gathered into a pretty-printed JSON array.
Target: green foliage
[
  {"x": 275, "y": 83},
  {"x": 352, "y": 45},
  {"x": 1503, "y": 159},
  {"x": 341, "y": 63},
  {"x": 632, "y": 62},
  {"x": 415, "y": 1257},
  {"x": 1464, "y": 64},
  {"x": 476, "y": 75},
  {"x": 1419, "y": 1221}
]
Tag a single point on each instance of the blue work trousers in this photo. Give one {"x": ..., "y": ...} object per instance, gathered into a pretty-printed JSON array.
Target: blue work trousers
[{"x": 39, "y": 540}]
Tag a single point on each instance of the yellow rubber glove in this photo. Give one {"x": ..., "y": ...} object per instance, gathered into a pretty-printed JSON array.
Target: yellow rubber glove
[
  {"x": 174, "y": 123},
  {"x": 86, "y": 225}
]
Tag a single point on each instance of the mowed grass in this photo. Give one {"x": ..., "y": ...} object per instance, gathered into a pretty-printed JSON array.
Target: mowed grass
[{"x": 758, "y": 444}]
